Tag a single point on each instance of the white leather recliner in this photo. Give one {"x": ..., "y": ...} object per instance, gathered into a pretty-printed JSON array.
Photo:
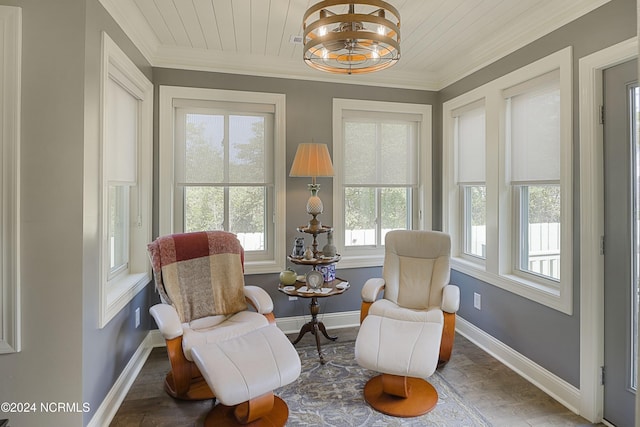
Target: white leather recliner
[{"x": 405, "y": 334}]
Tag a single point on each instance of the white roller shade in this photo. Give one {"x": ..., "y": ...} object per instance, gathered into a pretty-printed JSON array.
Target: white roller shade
[
  {"x": 380, "y": 153},
  {"x": 121, "y": 134},
  {"x": 214, "y": 146},
  {"x": 533, "y": 130},
  {"x": 470, "y": 139}
]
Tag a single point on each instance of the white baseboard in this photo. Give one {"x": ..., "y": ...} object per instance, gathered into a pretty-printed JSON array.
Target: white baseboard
[
  {"x": 289, "y": 325},
  {"x": 112, "y": 401},
  {"x": 156, "y": 339},
  {"x": 554, "y": 386},
  {"x": 344, "y": 319}
]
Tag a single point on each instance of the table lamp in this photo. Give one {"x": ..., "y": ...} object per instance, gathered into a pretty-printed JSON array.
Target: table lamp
[{"x": 312, "y": 160}]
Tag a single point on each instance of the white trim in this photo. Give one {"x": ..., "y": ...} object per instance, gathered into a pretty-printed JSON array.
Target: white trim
[
  {"x": 344, "y": 319},
  {"x": 592, "y": 222},
  {"x": 282, "y": 68},
  {"x": 554, "y": 386},
  {"x": 114, "y": 295},
  {"x": 156, "y": 339},
  {"x": 289, "y": 325},
  {"x": 10, "y": 90},
  {"x": 498, "y": 269},
  {"x": 112, "y": 401},
  {"x": 135, "y": 26},
  {"x": 167, "y": 164}
]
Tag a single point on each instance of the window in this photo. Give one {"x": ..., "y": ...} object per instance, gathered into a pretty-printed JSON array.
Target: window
[
  {"x": 507, "y": 181},
  {"x": 474, "y": 206},
  {"x": 378, "y": 198},
  {"x": 126, "y": 181},
  {"x": 532, "y": 130},
  {"x": 225, "y": 173},
  {"x": 538, "y": 229},
  {"x": 380, "y": 152},
  {"x": 469, "y": 138},
  {"x": 10, "y": 90},
  {"x": 220, "y": 149},
  {"x": 118, "y": 229}
]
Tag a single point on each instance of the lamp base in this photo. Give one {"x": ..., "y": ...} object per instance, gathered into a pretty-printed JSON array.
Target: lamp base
[
  {"x": 314, "y": 207},
  {"x": 314, "y": 224}
]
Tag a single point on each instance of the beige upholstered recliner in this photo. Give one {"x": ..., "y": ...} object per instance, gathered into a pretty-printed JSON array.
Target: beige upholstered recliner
[
  {"x": 200, "y": 279},
  {"x": 406, "y": 333}
]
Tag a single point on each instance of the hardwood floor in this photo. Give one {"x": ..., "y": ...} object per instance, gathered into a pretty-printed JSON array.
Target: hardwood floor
[{"x": 503, "y": 397}]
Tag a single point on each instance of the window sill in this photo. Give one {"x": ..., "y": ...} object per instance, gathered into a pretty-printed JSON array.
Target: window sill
[
  {"x": 119, "y": 292},
  {"x": 358, "y": 261},
  {"x": 552, "y": 297},
  {"x": 264, "y": 267}
]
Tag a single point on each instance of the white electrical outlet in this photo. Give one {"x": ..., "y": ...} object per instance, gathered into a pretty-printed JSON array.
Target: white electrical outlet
[
  {"x": 477, "y": 303},
  {"x": 137, "y": 317}
]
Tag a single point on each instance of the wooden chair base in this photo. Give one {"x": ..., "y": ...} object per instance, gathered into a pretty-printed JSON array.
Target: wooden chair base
[
  {"x": 198, "y": 389},
  {"x": 448, "y": 335},
  {"x": 225, "y": 416},
  {"x": 421, "y": 398}
]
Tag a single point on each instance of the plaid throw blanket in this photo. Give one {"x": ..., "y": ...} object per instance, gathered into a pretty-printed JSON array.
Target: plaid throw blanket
[{"x": 200, "y": 274}]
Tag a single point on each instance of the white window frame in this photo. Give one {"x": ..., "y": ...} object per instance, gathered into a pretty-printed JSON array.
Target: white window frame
[
  {"x": 10, "y": 88},
  {"x": 371, "y": 257},
  {"x": 465, "y": 223},
  {"x": 519, "y": 251},
  {"x": 167, "y": 197},
  {"x": 465, "y": 214},
  {"x": 117, "y": 291},
  {"x": 499, "y": 267},
  {"x": 590, "y": 72}
]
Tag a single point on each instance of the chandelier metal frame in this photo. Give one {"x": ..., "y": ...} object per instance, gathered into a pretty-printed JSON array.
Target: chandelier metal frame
[{"x": 342, "y": 42}]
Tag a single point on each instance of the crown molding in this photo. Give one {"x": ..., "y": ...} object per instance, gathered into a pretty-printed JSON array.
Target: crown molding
[
  {"x": 265, "y": 66},
  {"x": 134, "y": 25}
]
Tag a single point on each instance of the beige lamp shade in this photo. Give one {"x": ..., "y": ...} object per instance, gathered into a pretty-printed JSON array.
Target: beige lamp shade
[{"x": 312, "y": 160}]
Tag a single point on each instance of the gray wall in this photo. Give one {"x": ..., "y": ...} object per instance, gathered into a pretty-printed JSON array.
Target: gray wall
[
  {"x": 548, "y": 337},
  {"x": 64, "y": 357},
  {"x": 106, "y": 351},
  {"x": 49, "y": 367},
  {"x": 309, "y": 107}
]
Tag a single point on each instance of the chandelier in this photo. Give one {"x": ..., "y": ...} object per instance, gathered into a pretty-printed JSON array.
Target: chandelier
[{"x": 337, "y": 39}]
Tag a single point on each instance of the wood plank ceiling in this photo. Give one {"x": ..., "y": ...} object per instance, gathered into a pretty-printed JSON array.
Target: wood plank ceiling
[{"x": 442, "y": 40}]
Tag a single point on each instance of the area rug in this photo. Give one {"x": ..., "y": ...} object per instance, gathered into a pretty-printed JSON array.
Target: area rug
[{"x": 331, "y": 395}]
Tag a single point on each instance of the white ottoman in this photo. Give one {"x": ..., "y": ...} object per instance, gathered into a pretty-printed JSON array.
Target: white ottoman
[
  {"x": 405, "y": 352},
  {"x": 242, "y": 372}
]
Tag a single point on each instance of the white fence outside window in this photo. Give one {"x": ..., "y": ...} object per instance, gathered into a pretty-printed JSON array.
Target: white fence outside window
[{"x": 544, "y": 247}]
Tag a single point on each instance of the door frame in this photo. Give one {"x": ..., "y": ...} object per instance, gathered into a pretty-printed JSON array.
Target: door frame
[{"x": 592, "y": 222}]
